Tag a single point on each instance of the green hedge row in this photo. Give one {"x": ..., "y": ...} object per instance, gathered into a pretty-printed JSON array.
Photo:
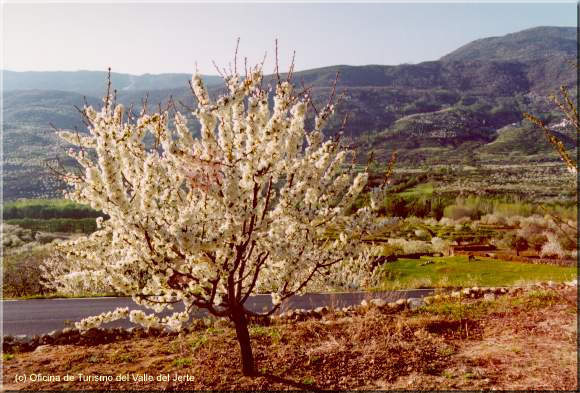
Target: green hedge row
[
  {"x": 46, "y": 209},
  {"x": 69, "y": 225}
]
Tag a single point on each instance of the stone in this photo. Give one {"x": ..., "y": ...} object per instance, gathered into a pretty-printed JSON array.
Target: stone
[
  {"x": 401, "y": 302},
  {"x": 35, "y": 341},
  {"x": 93, "y": 333},
  {"x": 415, "y": 302},
  {"x": 380, "y": 303},
  {"x": 321, "y": 310},
  {"x": 392, "y": 305},
  {"x": 489, "y": 296},
  {"x": 364, "y": 303},
  {"x": 154, "y": 331},
  {"x": 42, "y": 348},
  {"x": 455, "y": 294}
]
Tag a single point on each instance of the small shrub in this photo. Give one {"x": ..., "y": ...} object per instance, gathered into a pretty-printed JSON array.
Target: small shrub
[
  {"x": 446, "y": 221},
  {"x": 22, "y": 272},
  {"x": 519, "y": 243},
  {"x": 440, "y": 245},
  {"x": 493, "y": 219},
  {"x": 552, "y": 248},
  {"x": 537, "y": 241},
  {"x": 392, "y": 249},
  {"x": 7, "y": 356},
  {"x": 456, "y": 212},
  {"x": 123, "y": 358},
  {"x": 198, "y": 342},
  {"x": 15, "y": 236},
  {"x": 421, "y": 234},
  {"x": 412, "y": 246},
  {"x": 182, "y": 362}
]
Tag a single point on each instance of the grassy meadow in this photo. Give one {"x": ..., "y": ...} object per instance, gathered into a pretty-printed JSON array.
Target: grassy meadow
[{"x": 457, "y": 272}]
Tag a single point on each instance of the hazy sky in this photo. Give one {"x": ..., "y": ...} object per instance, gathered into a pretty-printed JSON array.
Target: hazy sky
[{"x": 155, "y": 38}]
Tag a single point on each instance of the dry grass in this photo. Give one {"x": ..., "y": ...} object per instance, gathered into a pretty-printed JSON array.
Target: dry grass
[{"x": 528, "y": 342}]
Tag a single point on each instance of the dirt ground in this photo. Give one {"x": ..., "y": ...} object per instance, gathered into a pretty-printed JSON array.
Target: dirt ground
[{"x": 523, "y": 342}]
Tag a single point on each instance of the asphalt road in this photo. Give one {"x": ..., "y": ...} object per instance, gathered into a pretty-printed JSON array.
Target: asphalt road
[{"x": 37, "y": 316}]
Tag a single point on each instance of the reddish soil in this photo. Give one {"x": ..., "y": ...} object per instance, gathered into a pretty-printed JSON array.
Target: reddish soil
[{"x": 525, "y": 342}]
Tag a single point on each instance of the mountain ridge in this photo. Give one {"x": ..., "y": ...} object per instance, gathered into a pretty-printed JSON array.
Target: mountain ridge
[
  {"x": 452, "y": 108},
  {"x": 94, "y": 82}
]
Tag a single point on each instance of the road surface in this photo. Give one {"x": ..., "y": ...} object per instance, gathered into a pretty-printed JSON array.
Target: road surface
[{"x": 38, "y": 316}]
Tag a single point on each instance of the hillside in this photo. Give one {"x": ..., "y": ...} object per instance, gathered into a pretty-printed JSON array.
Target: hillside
[
  {"x": 547, "y": 54},
  {"x": 455, "y": 109},
  {"x": 524, "y": 46}
]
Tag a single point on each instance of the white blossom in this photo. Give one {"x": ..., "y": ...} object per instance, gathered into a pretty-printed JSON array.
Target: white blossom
[{"x": 256, "y": 203}]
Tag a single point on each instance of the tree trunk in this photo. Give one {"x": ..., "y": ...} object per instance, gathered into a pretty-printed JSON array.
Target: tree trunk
[{"x": 241, "y": 323}]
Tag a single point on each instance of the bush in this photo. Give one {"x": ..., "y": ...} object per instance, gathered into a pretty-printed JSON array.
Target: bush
[
  {"x": 22, "y": 271},
  {"x": 530, "y": 226},
  {"x": 440, "y": 245},
  {"x": 536, "y": 241},
  {"x": 552, "y": 248},
  {"x": 446, "y": 221},
  {"x": 412, "y": 246},
  {"x": 493, "y": 219},
  {"x": 506, "y": 240},
  {"x": 392, "y": 250},
  {"x": 519, "y": 244},
  {"x": 421, "y": 234},
  {"x": 456, "y": 212},
  {"x": 15, "y": 236}
]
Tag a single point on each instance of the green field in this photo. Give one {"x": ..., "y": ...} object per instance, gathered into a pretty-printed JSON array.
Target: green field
[
  {"x": 456, "y": 271},
  {"x": 421, "y": 190}
]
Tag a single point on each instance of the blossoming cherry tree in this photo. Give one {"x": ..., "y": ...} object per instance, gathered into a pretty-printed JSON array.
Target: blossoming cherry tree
[{"x": 256, "y": 203}]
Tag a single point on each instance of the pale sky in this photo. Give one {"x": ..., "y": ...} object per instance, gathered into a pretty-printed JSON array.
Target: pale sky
[{"x": 160, "y": 37}]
